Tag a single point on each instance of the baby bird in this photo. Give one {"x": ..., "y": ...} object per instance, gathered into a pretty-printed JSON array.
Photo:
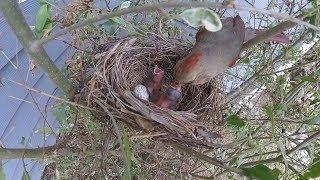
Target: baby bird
[{"x": 153, "y": 84}]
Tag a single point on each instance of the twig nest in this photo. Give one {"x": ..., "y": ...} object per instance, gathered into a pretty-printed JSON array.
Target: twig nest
[{"x": 123, "y": 65}]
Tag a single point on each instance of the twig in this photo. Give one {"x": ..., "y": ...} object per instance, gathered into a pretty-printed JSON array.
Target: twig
[
  {"x": 291, "y": 68},
  {"x": 155, "y": 7},
  {"x": 55, "y": 97},
  {"x": 203, "y": 157},
  {"x": 25, "y": 168}
]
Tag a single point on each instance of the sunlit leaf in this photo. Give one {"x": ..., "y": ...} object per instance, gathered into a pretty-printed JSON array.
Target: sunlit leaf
[
  {"x": 197, "y": 17},
  {"x": 41, "y": 17},
  {"x": 235, "y": 120},
  {"x": 125, "y": 5},
  {"x": 260, "y": 172},
  {"x": 271, "y": 117}
]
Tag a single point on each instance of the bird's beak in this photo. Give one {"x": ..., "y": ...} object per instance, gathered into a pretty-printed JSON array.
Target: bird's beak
[
  {"x": 280, "y": 38},
  {"x": 157, "y": 70},
  {"x": 176, "y": 86}
]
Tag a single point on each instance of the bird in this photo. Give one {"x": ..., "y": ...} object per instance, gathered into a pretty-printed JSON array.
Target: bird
[
  {"x": 212, "y": 54},
  {"x": 215, "y": 52},
  {"x": 170, "y": 98},
  {"x": 154, "y": 82},
  {"x": 251, "y": 33}
]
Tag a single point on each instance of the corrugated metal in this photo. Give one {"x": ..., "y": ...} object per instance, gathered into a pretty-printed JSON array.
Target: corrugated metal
[{"x": 18, "y": 118}]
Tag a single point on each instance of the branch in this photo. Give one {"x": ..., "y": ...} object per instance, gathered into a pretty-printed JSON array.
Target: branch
[
  {"x": 16, "y": 20},
  {"x": 155, "y": 7},
  {"x": 203, "y": 157}
]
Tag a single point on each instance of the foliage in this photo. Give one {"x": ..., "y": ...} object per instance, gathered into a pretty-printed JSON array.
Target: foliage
[{"x": 43, "y": 24}]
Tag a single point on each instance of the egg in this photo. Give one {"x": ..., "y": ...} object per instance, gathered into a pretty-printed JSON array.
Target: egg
[{"x": 141, "y": 92}]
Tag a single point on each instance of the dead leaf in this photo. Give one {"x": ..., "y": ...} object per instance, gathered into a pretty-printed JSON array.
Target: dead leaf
[{"x": 33, "y": 67}]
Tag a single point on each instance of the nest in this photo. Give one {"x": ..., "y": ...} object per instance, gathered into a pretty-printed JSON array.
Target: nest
[{"x": 122, "y": 64}]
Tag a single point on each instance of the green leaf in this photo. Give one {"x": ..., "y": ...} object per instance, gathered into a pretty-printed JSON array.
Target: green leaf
[
  {"x": 260, "y": 172},
  {"x": 314, "y": 170},
  {"x": 23, "y": 140},
  {"x": 127, "y": 148},
  {"x": 119, "y": 20},
  {"x": 271, "y": 117},
  {"x": 308, "y": 78},
  {"x": 314, "y": 101},
  {"x": 41, "y": 17},
  {"x": 197, "y": 17},
  {"x": 276, "y": 172},
  {"x": 46, "y": 130},
  {"x": 235, "y": 120},
  {"x": 246, "y": 60},
  {"x": 59, "y": 115},
  {"x": 280, "y": 109},
  {"x": 314, "y": 3},
  {"x": 282, "y": 79},
  {"x": 282, "y": 149},
  {"x": 24, "y": 176},
  {"x": 313, "y": 20},
  {"x": 2, "y": 175},
  {"x": 313, "y": 121}
]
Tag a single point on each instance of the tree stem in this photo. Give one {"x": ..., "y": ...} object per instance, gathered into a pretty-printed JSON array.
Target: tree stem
[{"x": 12, "y": 12}]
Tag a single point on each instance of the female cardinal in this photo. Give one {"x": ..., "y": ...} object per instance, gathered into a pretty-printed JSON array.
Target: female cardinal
[
  {"x": 214, "y": 52},
  {"x": 153, "y": 84}
]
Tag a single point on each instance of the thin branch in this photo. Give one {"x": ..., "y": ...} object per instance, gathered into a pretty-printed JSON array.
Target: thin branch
[
  {"x": 155, "y": 7},
  {"x": 293, "y": 150},
  {"x": 291, "y": 68},
  {"x": 203, "y": 157},
  {"x": 55, "y": 97}
]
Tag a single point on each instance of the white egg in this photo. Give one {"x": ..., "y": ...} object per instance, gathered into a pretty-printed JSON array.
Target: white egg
[{"x": 141, "y": 92}]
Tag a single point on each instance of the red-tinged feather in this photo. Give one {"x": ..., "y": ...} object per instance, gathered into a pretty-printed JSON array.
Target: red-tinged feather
[{"x": 190, "y": 63}]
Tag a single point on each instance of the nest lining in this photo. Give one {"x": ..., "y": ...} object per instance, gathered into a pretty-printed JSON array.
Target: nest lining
[{"x": 124, "y": 63}]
